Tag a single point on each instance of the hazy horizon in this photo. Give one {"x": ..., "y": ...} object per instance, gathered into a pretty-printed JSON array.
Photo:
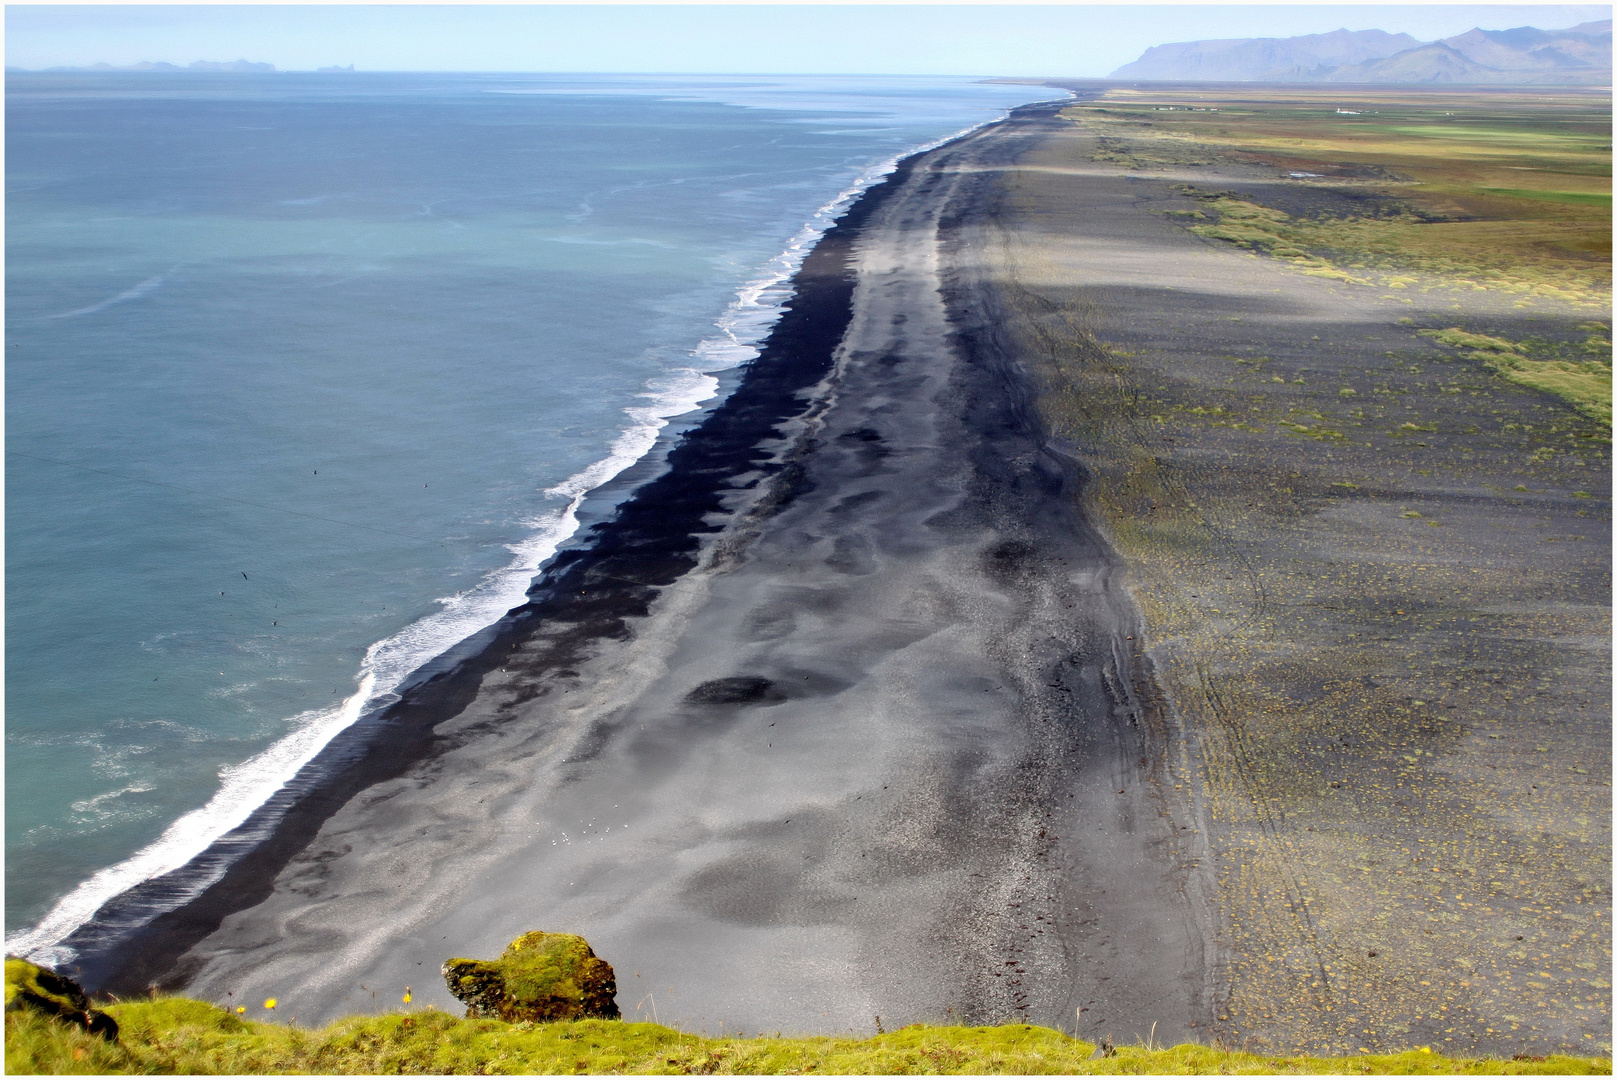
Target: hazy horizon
[{"x": 905, "y": 39}]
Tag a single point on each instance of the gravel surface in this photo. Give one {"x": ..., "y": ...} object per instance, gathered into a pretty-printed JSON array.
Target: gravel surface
[{"x": 1375, "y": 581}]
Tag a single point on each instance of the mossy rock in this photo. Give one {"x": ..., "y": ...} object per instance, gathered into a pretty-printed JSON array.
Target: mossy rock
[
  {"x": 171, "y": 1014},
  {"x": 41, "y": 990},
  {"x": 539, "y": 977}
]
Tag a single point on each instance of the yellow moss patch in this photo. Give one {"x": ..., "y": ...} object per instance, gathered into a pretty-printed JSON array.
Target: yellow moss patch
[
  {"x": 1462, "y": 340},
  {"x": 1583, "y": 384},
  {"x": 1586, "y": 385}
]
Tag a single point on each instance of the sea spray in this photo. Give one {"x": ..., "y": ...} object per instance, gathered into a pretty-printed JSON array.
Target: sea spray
[{"x": 241, "y": 788}]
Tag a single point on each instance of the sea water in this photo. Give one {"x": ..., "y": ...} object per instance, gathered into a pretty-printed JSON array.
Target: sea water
[{"x": 307, "y": 376}]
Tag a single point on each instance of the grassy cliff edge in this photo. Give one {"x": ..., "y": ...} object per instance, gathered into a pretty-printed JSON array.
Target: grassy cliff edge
[{"x": 178, "y": 1035}]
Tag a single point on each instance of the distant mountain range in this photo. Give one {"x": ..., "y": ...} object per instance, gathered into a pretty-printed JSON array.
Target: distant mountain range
[
  {"x": 199, "y": 65},
  {"x": 1577, "y": 56}
]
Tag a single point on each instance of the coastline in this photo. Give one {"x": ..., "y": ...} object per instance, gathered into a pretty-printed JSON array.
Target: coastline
[
  {"x": 878, "y": 722},
  {"x": 120, "y": 950},
  {"x": 46, "y": 906},
  {"x": 871, "y": 545},
  {"x": 198, "y": 846}
]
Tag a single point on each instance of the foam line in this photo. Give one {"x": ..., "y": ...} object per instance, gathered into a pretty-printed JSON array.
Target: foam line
[{"x": 134, "y": 293}]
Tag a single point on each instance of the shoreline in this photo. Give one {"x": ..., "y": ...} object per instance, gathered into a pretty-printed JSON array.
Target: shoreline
[
  {"x": 390, "y": 630},
  {"x": 842, "y": 719},
  {"x": 594, "y": 495},
  {"x": 1003, "y": 677},
  {"x": 122, "y": 950}
]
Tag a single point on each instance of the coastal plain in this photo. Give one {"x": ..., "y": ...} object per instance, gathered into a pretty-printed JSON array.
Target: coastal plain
[
  {"x": 1152, "y": 622},
  {"x": 1374, "y": 565}
]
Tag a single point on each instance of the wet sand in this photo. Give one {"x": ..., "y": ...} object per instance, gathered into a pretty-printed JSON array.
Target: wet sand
[{"x": 859, "y": 732}]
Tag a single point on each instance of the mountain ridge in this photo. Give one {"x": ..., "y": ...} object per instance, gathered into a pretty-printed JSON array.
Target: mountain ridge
[{"x": 1524, "y": 55}]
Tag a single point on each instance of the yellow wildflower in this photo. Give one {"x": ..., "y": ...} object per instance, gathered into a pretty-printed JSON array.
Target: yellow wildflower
[{"x": 269, "y": 1003}]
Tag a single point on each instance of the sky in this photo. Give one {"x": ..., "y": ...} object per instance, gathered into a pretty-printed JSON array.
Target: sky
[{"x": 1011, "y": 40}]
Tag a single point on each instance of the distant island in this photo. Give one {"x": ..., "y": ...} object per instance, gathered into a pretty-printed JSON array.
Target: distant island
[
  {"x": 1525, "y": 56},
  {"x": 160, "y": 65},
  {"x": 248, "y": 66}
]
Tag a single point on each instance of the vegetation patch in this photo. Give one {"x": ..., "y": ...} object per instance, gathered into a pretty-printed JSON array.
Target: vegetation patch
[
  {"x": 1514, "y": 249},
  {"x": 176, "y": 1035},
  {"x": 1501, "y": 191},
  {"x": 1585, "y": 198},
  {"x": 539, "y": 977},
  {"x": 1582, "y": 381},
  {"x": 1585, "y": 385},
  {"x": 1262, "y": 228},
  {"x": 1462, "y": 340}
]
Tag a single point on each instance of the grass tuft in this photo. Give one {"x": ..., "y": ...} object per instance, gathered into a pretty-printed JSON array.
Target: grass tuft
[{"x": 1462, "y": 340}]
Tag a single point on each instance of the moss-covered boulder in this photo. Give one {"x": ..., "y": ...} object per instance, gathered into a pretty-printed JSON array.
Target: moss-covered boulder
[
  {"x": 540, "y": 976},
  {"x": 41, "y": 990}
]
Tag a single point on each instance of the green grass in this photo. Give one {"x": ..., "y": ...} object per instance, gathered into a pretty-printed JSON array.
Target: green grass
[
  {"x": 176, "y": 1035},
  {"x": 1531, "y": 138},
  {"x": 1586, "y": 385},
  {"x": 1581, "y": 198},
  {"x": 1399, "y": 253}
]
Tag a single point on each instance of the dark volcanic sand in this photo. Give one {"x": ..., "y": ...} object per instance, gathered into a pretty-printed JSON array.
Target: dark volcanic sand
[{"x": 883, "y": 749}]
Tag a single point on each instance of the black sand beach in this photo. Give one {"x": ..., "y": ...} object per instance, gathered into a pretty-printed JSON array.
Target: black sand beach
[
  {"x": 838, "y": 718},
  {"x": 983, "y": 658}
]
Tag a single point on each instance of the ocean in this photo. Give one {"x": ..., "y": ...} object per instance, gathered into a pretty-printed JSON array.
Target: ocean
[{"x": 309, "y": 375}]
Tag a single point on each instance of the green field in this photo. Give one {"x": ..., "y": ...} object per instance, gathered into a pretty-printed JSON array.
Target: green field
[{"x": 1577, "y": 198}]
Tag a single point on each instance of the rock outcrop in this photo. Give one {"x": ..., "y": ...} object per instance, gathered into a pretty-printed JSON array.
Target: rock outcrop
[
  {"x": 539, "y": 977},
  {"x": 41, "y": 990}
]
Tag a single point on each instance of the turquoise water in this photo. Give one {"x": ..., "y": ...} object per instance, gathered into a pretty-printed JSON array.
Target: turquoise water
[{"x": 307, "y": 375}]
